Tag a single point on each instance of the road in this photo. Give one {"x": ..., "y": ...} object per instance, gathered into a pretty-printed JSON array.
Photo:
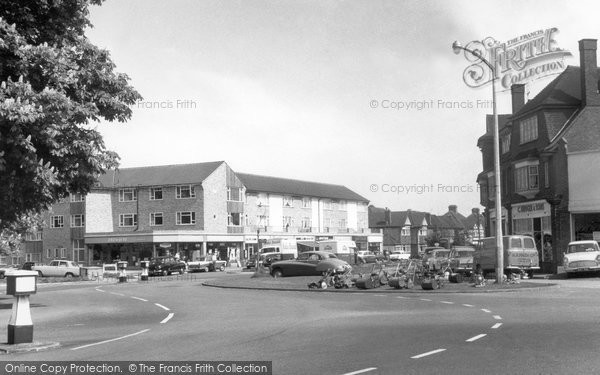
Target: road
[{"x": 547, "y": 330}]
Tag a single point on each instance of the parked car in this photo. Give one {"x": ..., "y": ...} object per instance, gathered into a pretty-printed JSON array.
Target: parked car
[
  {"x": 29, "y": 265},
  {"x": 461, "y": 259},
  {"x": 436, "y": 258},
  {"x": 251, "y": 262},
  {"x": 399, "y": 255},
  {"x": 57, "y": 268},
  {"x": 165, "y": 266},
  {"x": 304, "y": 265},
  {"x": 364, "y": 256},
  {"x": 3, "y": 269},
  {"x": 581, "y": 256},
  {"x": 266, "y": 259},
  {"x": 206, "y": 263}
]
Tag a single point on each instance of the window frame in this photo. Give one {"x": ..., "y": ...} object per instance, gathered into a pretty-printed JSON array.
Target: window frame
[
  {"x": 179, "y": 215},
  {"x": 153, "y": 191},
  {"x": 53, "y": 222},
  {"x": 179, "y": 190},
  {"x": 153, "y": 216},
  {"x": 128, "y": 191},
  {"x": 123, "y": 217}
]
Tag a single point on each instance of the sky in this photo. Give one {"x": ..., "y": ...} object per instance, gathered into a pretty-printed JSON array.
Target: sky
[{"x": 305, "y": 89}]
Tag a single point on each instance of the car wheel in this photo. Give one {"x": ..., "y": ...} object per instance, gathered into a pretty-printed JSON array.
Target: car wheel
[
  {"x": 222, "y": 268},
  {"x": 40, "y": 274},
  {"x": 69, "y": 275},
  {"x": 277, "y": 273},
  {"x": 165, "y": 273}
]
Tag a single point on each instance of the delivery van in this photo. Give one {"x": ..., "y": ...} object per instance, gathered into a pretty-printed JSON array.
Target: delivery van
[{"x": 520, "y": 253}]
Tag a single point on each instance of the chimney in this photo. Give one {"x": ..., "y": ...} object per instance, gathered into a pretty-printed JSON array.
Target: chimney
[
  {"x": 589, "y": 72},
  {"x": 453, "y": 208},
  {"x": 517, "y": 92}
]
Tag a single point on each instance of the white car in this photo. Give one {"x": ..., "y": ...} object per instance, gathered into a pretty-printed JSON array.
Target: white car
[
  {"x": 399, "y": 255},
  {"x": 582, "y": 256}
]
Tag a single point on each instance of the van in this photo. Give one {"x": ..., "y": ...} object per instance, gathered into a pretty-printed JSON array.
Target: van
[{"x": 520, "y": 254}]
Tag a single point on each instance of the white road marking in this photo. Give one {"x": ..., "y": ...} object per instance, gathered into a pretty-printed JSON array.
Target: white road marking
[
  {"x": 167, "y": 318},
  {"x": 100, "y": 290},
  {"x": 467, "y": 305},
  {"x": 111, "y": 340},
  {"x": 117, "y": 294},
  {"x": 361, "y": 371},
  {"x": 428, "y": 353},
  {"x": 162, "y": 307},
  {"x": 496, "y": 326},
  {"x": 380, "y": 295},
  {"x": 425, "y": 299},
  {"x": 447, "y": 302},
  {"x": 476, "y": 337},
  {"x": 486, "y": 311},
  {"x": 140, "y": 299},
  {"x": 497, "y": 317},
  {"x": 402, "y": 297}
]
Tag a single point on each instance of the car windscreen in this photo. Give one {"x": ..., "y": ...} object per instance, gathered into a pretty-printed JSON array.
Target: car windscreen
[
  {"x": 581, "y": 248},
  {"x": 464, "y": 253},
  {"x": 442, "y": 254}
]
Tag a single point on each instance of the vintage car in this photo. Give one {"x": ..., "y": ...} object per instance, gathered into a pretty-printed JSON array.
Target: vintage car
[
  {"x": 304, "y": 265},
  {"x": 57, "y": 268},
  {"x": 436, "y": 258},
  {"x": 399, "y": 255},
  {"x": 582, "y": 256},
  {"x": 206, "y": 264},
  {"x": 366, "y": 257},
  {"x": 164, "y": 266},
  {"x": 461, "y": 259}
]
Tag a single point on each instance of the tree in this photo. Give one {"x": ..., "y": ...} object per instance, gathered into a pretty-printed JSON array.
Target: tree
[{"x": 53, "y": 83}]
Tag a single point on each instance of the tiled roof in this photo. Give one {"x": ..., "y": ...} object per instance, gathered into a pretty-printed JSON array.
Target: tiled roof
[
  {"x": 564, "y": 90},
  {"x": 473, "y": 220},
  {"x": 398, "y": 218},
  {"x": 277, "y": 185},
  {"x": 158, "y": 175}
]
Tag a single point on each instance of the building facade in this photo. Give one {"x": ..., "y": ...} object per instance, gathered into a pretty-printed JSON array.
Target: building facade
[
  {"x": 191, "y": 210},
  {"x": 550, "y": 154}
]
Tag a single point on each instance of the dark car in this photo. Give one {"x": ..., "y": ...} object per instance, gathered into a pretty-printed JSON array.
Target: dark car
[
  {"x": 165, "y": 266},
  {"x": 304, "y": 265},
  {"x": 461, "y": 259},
  {"x": 251, "y": 262},
  {"x": 436, "y": 258}
]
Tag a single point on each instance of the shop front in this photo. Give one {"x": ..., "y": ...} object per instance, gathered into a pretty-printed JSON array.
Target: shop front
[{"x": 534, "y": 219}]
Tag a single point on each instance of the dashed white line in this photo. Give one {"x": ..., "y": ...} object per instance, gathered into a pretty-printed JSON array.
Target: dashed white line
[
  {"x": 100, "y": 290},
  {"x": 140, "y": 299},
  {"x": 111, "y": 340},
  {"x": 167, "y": 318},
  {"x": 425, "y": 299},
  {"x": 447, "y": 302},
  {"x": 361, "y": 371},
  {"x": 428, "y": 353},
  {"x": 162, "y": 307},
  {"x": 497, "y": 317},
  {"x": 467, "y": 305},
  {"x": 476, "y": 337},
  {"x": 401, "y": 297},
  {"x": 486, "y": 311},
  {"x": 117, "y": 294},
  {"x": 496, "y": 326}
]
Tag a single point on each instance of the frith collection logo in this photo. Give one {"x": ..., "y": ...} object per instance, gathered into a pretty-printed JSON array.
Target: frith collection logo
[{"x": 518, "y": 60}]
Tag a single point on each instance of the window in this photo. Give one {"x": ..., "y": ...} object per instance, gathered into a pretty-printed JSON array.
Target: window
[
  {"x": 305, "y": 222},
  {"x": 77, "y": 197},
  {"x": 288, "y": 221},
  {"x": 63, "y": 252},
  {"x": 342, "y": 223},
  {"x": 78, "y": 251},
  {"x": 156, "y": 193},
  {"x": 185, "y": 218},
  {"x": 156, "y": 219},
  {"x": 262, "y": 200},
  {"x": 423, "y": 232},
  {"x": 127, "y": 195},
  {"x": 36, "y": 236},
  {"x": 405, "y": 231},
  {"x": 529, "y": 129},
  {"x": 57, "y": 221},
  {"x": 327, "y": 222},
  {"x": 306, "y": 202},
  {"x": 48, "y": 253},
  {"x": 326, "y": 204},
  {"x": 506, "y": 143},
  {"x": 342, "y": 205},
  {"x": 234, "y": 219},
  {"x": 77, "y": 221},
  {"x": 526, "y": 178},
  {"x": 234, "y": 194},
  {"x": 522, "y": 226},
  {"x": 288, "y": 202},
  {"x": 128, "y": 220},
  {"x": 185, "y": 191}
]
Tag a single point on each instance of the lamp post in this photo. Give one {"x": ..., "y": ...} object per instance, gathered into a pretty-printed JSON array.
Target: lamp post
[{"x": 457, "y": 47}]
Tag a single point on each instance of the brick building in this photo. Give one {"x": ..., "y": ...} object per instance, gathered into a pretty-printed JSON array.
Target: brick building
[
  {"x": 550, "y": 159},
  {"x": 194, "y": 209}
]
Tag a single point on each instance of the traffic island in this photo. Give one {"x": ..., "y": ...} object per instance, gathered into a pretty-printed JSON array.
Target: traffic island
[
  {"x": 28, "y": 347},
  {"x": 300, "y": 283}
]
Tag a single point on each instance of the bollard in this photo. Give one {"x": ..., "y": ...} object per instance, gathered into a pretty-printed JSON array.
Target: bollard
[
  {"x": 20, "y": 284},
  {"x": 144, "y": 264},
  {"x": 122, "y": 266}
]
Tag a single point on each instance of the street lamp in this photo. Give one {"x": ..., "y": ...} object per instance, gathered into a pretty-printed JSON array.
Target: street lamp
[{"x": 457, "y": 47}]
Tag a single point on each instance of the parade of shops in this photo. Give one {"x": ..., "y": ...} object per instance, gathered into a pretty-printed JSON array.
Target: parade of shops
[
  {"x": 192, "y": 210},
  {"x": 550, "y": 162}
]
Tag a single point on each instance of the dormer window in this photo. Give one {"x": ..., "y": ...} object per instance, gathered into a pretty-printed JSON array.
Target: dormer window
[{"x": 528, "y": 129}]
